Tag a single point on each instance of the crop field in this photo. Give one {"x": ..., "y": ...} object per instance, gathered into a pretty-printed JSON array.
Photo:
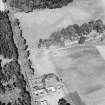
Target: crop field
[{"x": 83, "y": 70}]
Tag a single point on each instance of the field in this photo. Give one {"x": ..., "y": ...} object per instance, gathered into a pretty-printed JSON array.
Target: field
[
  {"x": 40, "y": 24},
  {"x": 83, "y": 70},
  {"x": 41, "y": 63}
]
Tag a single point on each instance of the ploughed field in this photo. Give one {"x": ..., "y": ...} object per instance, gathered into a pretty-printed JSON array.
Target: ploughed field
[{"x": 82, "y": 70}]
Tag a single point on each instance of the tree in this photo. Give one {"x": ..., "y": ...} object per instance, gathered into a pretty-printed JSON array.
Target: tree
[
  {"x": 98, "y": 26},
  {"x": 0, "y": 103},
  {"x": 7, "y": 46},
  {"x": 9, "y": 103},
  {"x": 68, "y": 104},
  {"x": 40, "y": 40},
  {"x": 38, "y": 4},
  {"x": 72, "y": 32},
  {"x": 53, "y": 37},
  {"x": 18, "y": 84},
  {"x": 64, "y": 33},
  {"x": 85, "y": 28},
  {"x": 26, "y": 98},
  {"x": 82, "y": 40},
  {"x": 104, "y": 27},
  {"x": 91, "y": 25},
  {"x": 4, "y": 1},
  {"x": 1, "y": 73},
  {"x": 78, "y": 29},
  {"x": 16, "y": 23},
  {"x": 62, "y": 101},
  {"x": 3, "y": 103},
  {"x": 31, "y": 5}
]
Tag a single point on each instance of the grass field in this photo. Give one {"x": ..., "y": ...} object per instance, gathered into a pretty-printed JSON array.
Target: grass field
[
  {"x": 41, "y": 63},
  {"x": 41, "y": 23},
  {"x": 83, "y": 70}
]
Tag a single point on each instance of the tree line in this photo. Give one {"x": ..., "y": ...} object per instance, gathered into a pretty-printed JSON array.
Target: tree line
[
  {"x": 12, "y": 69},
  {"x": 29, "y": 5},
  {"x": 73, "y": 32},
  {"x": 7, "y": 45}
]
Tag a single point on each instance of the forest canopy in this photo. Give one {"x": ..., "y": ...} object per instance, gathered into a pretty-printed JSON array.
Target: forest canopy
[{"x": 29, "y": 5}]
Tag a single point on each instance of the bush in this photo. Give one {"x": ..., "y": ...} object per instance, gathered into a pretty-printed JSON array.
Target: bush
[
  {"x": 25, "y": 98},
  {"x": 63, "y": 101},
  {"x": 98, "y": 26},
  {"x": 82, "y": 40}
]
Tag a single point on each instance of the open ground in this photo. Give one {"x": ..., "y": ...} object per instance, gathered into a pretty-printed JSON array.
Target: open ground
[
  {"x": 41, "y": 23},
  {"x": 82, "y": 68}
]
